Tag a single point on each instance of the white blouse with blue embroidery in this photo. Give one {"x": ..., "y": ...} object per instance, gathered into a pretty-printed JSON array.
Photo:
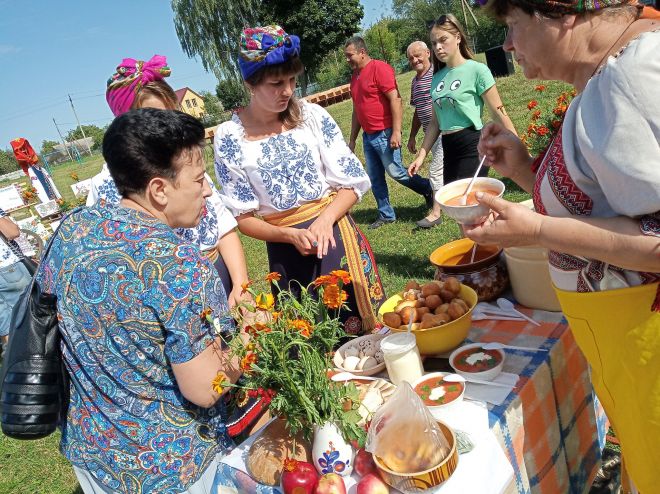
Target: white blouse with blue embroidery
[
  {"x": 215, "y": 223},
  {"x": 287, "y": 170}
]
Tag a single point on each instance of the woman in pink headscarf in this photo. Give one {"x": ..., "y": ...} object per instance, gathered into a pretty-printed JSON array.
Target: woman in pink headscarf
[{"x": 139, "y": 84}]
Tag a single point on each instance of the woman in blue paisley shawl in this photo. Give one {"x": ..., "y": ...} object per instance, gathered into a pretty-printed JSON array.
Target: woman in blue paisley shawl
[
  {"x": 138, "y": 84},
  {"x": 290, "y": 179},
  {"x": 140, "y": 314}
]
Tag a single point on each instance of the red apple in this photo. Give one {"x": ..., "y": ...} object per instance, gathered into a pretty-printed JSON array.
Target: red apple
[
  {"x": 330, "y": 483},
  {"x": 299, "y": 477},
  {"x": 364, "y": 462},
  {"x": 371, "y": 483}
]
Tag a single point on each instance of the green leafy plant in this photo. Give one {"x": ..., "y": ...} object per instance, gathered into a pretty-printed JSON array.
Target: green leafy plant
[
  {"x": 289, "y": 352},
  {"x": 545, "y": 120}
]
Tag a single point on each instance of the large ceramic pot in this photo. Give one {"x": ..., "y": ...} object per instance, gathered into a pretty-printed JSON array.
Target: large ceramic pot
[
  {"x": 487, "y": 274},
  {"x": 330, "y": 452}
]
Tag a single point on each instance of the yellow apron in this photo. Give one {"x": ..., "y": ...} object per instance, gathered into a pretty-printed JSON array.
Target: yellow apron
[{"x": 619, "y": 336}]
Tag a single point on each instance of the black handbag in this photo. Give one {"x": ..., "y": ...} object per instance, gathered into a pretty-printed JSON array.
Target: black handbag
[{"x": 34, "y": 385}]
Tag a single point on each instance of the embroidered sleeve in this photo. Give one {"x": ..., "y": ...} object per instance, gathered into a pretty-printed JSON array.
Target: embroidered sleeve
[
  {"x": 343, "y": 169},
  {"x": 226, "y": 221},
  {"x": 236, "y": 191}
]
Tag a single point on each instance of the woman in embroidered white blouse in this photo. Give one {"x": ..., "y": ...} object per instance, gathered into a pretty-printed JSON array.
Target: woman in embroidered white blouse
[
  {"x": 596, "y": 193},
  {"x": 290, "y": 179}
]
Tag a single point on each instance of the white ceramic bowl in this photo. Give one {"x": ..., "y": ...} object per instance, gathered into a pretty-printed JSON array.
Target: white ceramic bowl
[
  {"x": 361, "y": 343},
  {"x": 436, "y": 410},
  {"x": 467, "y": 215},
  {"x": 483, "y": 375}
]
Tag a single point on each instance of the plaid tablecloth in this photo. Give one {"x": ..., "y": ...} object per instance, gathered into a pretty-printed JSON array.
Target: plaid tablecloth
[{"x": 551, "y": 427}]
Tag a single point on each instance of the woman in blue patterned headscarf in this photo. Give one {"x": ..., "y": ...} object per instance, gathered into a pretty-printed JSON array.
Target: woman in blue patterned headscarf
[{"x": 290, "y": 179}]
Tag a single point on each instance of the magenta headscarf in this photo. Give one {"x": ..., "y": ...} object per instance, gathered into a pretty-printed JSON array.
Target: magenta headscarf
[{"x": 131, "y": 76}]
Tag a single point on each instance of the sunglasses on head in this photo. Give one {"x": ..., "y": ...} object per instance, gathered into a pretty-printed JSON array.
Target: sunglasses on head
[{"x": 439, "y": 21}]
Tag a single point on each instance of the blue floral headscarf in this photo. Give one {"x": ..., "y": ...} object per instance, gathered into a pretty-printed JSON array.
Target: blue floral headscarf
[{"x": 262, "y": 46}]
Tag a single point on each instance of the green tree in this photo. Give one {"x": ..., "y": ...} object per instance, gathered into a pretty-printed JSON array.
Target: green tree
[
  {"x": 48, "y": 146},
  {"x": 214, "y": 113},
  {"x": 232, "y": 94},
  {"x": 92, "y": 131},
  {"x": 210, "y": 29},
  {"x": 322, "y": 25},
  {"x": 382, "y": 43},
  {"x": 333, "y": 71},
  {"x": 8, "y": 161}
]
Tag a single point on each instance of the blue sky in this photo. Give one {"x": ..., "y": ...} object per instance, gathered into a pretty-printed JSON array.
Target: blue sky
[{"x": 51, "y": 49}]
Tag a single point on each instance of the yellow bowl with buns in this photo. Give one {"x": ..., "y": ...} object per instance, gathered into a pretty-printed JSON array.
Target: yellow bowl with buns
[
  {"x": 427, "y": 479},
  {"x": 435, "y": 335}
]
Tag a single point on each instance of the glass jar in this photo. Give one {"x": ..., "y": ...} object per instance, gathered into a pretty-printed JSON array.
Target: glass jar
[{"x": 402, "y": 358}]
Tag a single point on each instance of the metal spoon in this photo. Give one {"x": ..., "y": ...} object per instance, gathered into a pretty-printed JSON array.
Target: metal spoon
[
  {"x": 500, "y": 346},
  {"x": 506, "y": 304},
  {"x": 457, "y": 378},
  {"x": 347, "y": 376}
]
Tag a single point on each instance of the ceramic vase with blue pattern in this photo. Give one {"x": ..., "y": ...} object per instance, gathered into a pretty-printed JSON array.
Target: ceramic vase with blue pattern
[{"x": 331, "y": 453}]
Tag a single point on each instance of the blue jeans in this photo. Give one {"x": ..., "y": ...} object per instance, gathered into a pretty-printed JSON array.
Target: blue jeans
[
  {"x": 381, "y": 158},
  {"x": 13, "y": 280}
]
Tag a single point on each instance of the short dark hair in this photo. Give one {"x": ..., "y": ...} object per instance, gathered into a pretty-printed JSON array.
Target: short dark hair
[
  {"x": 357, "y": 42},
  {"x": 142, "y": 144}
]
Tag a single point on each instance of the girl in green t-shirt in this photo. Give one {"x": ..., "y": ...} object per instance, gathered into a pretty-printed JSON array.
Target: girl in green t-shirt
[{"x": 460, "y": 88}]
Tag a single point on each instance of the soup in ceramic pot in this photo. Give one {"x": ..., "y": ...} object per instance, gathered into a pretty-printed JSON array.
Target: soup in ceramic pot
[
  {"x": 477, "y": 360},
  {"x": 435, "y": 391},
  {"x": 471, "y": 198}
]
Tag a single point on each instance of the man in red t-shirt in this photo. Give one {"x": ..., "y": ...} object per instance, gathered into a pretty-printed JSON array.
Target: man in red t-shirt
[{"x": 377, "y": 109}]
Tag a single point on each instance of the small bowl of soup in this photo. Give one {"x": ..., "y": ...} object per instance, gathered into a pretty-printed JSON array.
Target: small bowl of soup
[
  {"x": 472, "y": 361},
  {"x": 438, "y": 394},
  {"x": 472, "y": 213}
]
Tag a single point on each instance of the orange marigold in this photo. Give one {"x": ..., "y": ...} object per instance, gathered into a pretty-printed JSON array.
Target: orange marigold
[
  {"x": 218, "y": 383},
  {"x": 556, "y": 124},
  {"x": 303, "y": 326},
  {"x": 540, "y": 88},
  {"x": 536, "y": 115},
  {"x": 532, "y": 104},
  {"x": 342, "y": 275},
  {"x": 333, "y": 297},
  {"x": 247, "y": 361},
  {"x": 560, "y": 110},
  {"x": 206, "y": 313},
  {"x": 265, "y": 301},
  {"x": 531, "y": 129},
  {"x": 274, "y": 276},
  {"x": 322, "y": 280},
  {"x": 290, "y": 464},
  {"x": 246, "y": 285},
  {"x": 542, "y": 130}
]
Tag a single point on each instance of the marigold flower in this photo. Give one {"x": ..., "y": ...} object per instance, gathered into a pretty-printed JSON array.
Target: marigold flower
[
  {"x": 274, "y": 276},
  {"x": 276, "y": 315},
  {"x": 531, "y": 129},
  {"x": 560, "y": 110},
  {"x": 543, "y": 130},
  {"x": 218, "y": 383},
  {"x": 556, "y": 124},
  {"x": 303, "y": 326},
  {"x": 561, "y": 98},
  {"x": 245, "y": 286},
  {"x": 342, "y": 275},
  {"x": 333, "y": 297},
  {"x": 290, "y": 464},
  {"x": 532, "y": 104},
  {"x": 247, "y": 361},
  {"x": 540, "y": 88},
  {"x": 206, "y": 314},
  {"x": 322, "y": 280},
  {"x": 265, "y": 301},
  {"x": 262, "y": 328},
  {"x": 536, "y": 115}
]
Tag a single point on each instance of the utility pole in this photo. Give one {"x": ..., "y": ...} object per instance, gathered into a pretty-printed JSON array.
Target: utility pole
[
  {"x": 89, "y": 150},
  {"x": 63, "y": 141}
]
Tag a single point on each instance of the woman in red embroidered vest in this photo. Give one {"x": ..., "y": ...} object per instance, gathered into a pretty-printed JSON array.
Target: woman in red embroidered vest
[{"x": 596, "y": 191}]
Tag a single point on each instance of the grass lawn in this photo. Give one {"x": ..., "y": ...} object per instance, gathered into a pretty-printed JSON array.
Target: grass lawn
[{"x": 402, "y": 253}]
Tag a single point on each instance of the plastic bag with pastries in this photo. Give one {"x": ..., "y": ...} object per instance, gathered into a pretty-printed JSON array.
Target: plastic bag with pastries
[{"x": 404, "y": 415}]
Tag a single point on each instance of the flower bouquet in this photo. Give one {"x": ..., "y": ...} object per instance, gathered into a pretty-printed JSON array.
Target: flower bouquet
[
  {"x": 289, "y": 352},
  {"x": 544, "y": 122}
]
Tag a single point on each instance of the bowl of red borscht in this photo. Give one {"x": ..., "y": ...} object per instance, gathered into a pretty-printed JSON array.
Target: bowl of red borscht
[
  {"x": 472, "y": 213},
  {"x": 437, "y": 394},
  {"x": 472, "y": 361}
]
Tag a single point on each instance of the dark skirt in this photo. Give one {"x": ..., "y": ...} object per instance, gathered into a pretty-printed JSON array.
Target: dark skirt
[
  {"x": 365, "y": 292},
  {"x": 461, "y": 157},
  {"x": 222, "y": 270}
]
